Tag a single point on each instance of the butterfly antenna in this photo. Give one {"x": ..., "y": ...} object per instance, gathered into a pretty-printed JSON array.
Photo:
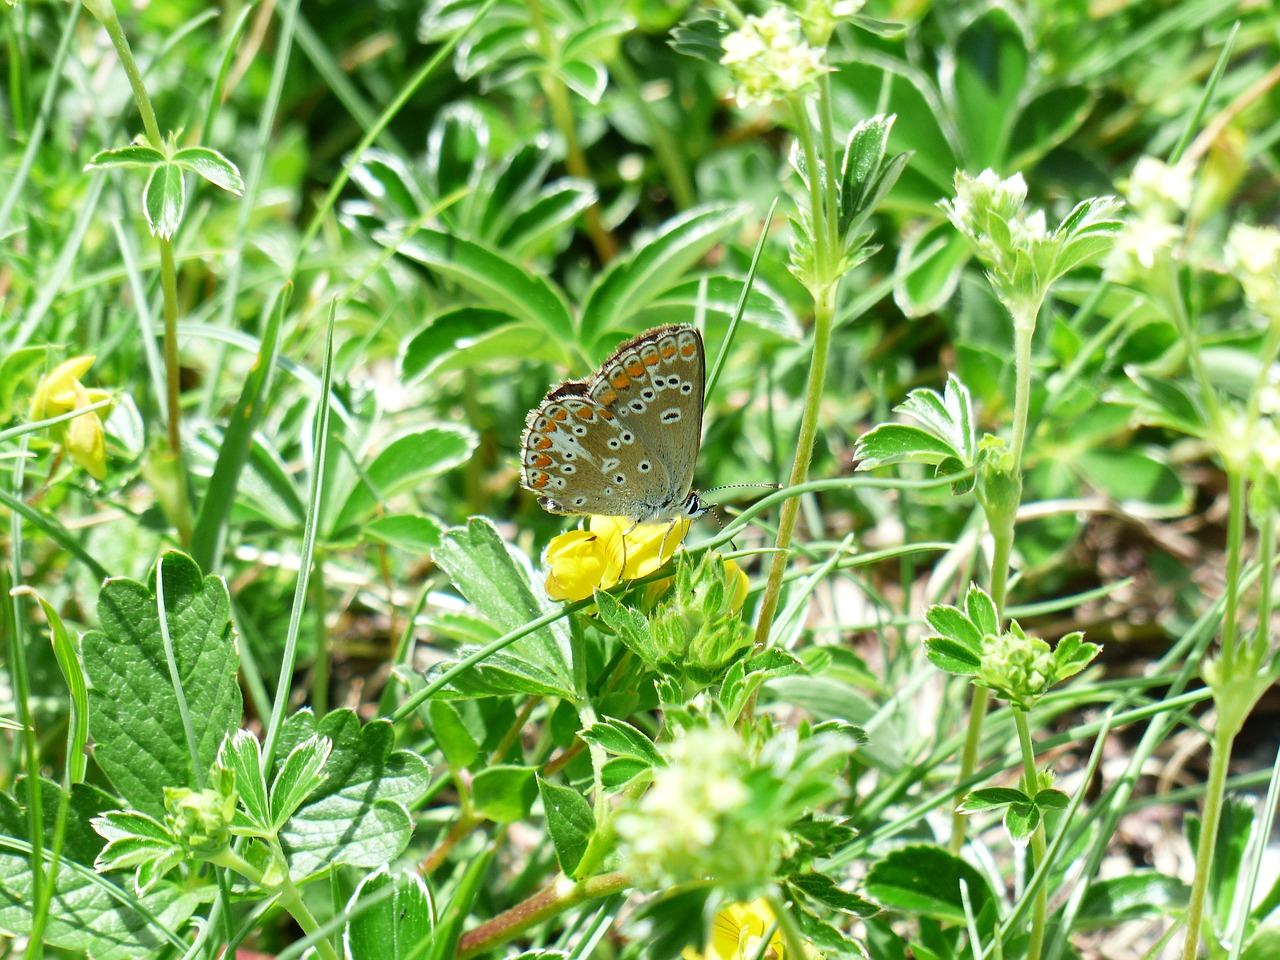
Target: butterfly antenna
[{"x": 737, "y": 486}]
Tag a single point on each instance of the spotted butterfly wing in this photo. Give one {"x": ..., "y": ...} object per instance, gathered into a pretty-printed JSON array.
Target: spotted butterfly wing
[{"x": 625, "y": 441}]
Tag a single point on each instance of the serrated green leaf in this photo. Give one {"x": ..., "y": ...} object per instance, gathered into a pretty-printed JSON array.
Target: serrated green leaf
[
  {"x": 1052, "y": 800},
  {"x": 139, "y": 740},
  {"x": 990, "y": 797},
  {"x": 981, "y": 610},
  {"x": 496, "y": 580},
  {"x": 820, "y": 887},
  {"x": 925, "y": 881},
  {"x": 163, "y": 200},
  {"x": 212, "y": 166},
  {"x": 1020, "y": 821},
  {"x": 359, "y": 816},
  {"x": 299, "y": 777},
  {"x": 617, "y": 772},
  {"x": 891, "y": 443},
  {"x": 88, "y": 913},
  {"x": 133, "y": 156},
  {"x": 569, "y": 821},
  {"x": 242, "y": 753},
  {"x": 951, "y": 657},
  {"x": 504, "y": 793},
  {"x": 621, "y": 739},
  {"x": 952, "y": 624},
  {"x": 395, "y": 927}
]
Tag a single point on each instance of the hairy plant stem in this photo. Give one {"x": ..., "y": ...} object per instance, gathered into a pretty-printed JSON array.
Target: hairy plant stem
[
  {"x": 1215, "y": 792},
  {"x": 1000, "y": 518},
  {"x": 555, "y": 899},
  {"x": 562, "y": 114},
  {"x": 823, "y": 291},
  {"x": 178, "y": 509},
  {"x": 1031, "y": 786}
]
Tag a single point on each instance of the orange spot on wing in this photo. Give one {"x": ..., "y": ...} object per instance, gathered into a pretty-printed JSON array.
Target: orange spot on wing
[
  {"x": 540, "y": 443},
  {"x": 539, "y": 480},
  {"x": 635, "y": 367},
  {"x": 651, "y": 359},
  {"x": 585, "y": 413},
  {"x": 620, "y": 382},
  {"x": 687, "y": 350},
  {"x": 608, "y": 399},
  {"x": 668, "y": 350},
  {"x": 542, "y": 460},
  {"x": 560, "y": 414}
]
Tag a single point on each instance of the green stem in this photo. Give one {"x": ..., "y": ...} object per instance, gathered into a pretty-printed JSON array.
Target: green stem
[
  {"x": 786, "y": 925},
  {"x": 824, "y": 320},
  {"x": 1215, "y": 791},
  {"x": 106, "y": 15},
  {"x": 1002, "y": 512},
  {"x": 562, "y": 114},
  {"x": 832, "y": 180},
  {"x": 554, "y": 900},
  {"x": 823, "y": 291},
  {"x": 172, "y": 363},
  {"x": 1237, "y": 515},
  {"x": 1031, "y": 783},
  {"x": 320, "y": 672}
]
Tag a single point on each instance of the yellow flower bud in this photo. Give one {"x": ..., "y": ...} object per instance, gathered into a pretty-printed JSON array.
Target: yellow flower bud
[
  {"x": 60, "y": 391},
  {"x": 55, "y": 394}
]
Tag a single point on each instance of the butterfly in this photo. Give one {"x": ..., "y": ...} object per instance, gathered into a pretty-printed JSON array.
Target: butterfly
[{"x": 623, "y": 442}]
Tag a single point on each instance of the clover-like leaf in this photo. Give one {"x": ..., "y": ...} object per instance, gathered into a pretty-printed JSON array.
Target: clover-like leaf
[
  {"x": 242, "y": 754},
  {"x": 212, "y": 166},
  {"x": 301, "y": 774},
  {"x": 991, "y": 798},
  {"x": 1020, "y": 822},
  {"x": 164, "y": 199},
  {"x": 1073, "y": 654}
]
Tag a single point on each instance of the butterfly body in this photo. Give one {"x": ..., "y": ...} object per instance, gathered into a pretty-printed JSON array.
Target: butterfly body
[{"x": 623, "y": 442}]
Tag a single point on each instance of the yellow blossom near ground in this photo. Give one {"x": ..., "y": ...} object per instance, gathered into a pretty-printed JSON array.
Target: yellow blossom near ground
[
  {"x": 60, "y": 391},
  {"x": 737, "y": 932}
]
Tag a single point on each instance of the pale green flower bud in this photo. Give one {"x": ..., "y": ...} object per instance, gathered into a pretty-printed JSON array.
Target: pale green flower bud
[
  {"x": 1154, "y": 186},
  {"x": 1017, "y": 667},
  {"x": 770, "y": 58},
  {"x": 200, "y": 820},
  {"x": 821, "y": 16}
]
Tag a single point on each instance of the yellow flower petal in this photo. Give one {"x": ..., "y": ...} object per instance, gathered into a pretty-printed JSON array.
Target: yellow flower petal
[
  {"x": 55, "y": 393},
  {"x": 640, "y": 549},
  {"x": 577, "y": 563},
  {"x": 740, "y": 583},
  {"x": 87, "y": 445}
]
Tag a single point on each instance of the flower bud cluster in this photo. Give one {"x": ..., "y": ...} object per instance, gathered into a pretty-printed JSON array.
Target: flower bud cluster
[{"x": 770, "y": 58}]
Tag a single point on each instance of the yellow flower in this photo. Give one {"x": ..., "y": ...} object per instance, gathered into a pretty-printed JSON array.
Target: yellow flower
[
  {"x": 609, "y": 550},
  {"x": 737, "y": 932},
  {"x": 741, "y": 584},
  {"x": 60, "y": 391}
]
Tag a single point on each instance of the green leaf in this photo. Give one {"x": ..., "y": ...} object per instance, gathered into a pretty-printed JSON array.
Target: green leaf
[
  {"x": 951, "y": 657},
  {"x": 1072, "y": 655},
  {"x": 403, "y": 464},
  {"x": 360, "y": 815},
  {"x": 211, "y": 165},
  {"x": 1144, "y": 893},
  {"x": 504, "y": 793},
  {"x": 990, "y": 75},
  {"x": 210, "y": 534},
  {"x": 699, "y": 34},
  {"x": 134, "y": 156},
  {"x": 1052, "y": 800},
  {"x": 541, "y": 223},
  {"x": 301, "y": 774},
  {"x": 617, "y": 772},
  {"x": 569, "y": 821},
  {"x": 930, "y": 263},
  {"x": 394, "y": 927},
  {"x": 496, "y": 580},
  {"x": 981, "y": 610},
  {"x": 656, "y": 263},
  {"x": 163, "y": 200},
  {"x": 925, "y": 881},
  {"x": 447, "y": 333},
  {"x": 1264, "y": 944},
  {"x": 139, "y": 740},
  {"x": 951, "y": 624},
  {"x": 242, "y": 753},
  {"x": 622, "y": 740},
  {"x": 1047, "y": 120},
  {"x": 820, "y": 887},
  {"x": 1020, "y": 821},
  {"x": 410, "y": 532},
  {"x": 891, "y": 443},
  {"x": 66, "y": 650},
  {"x": 455, "y": 741},
  {"x": 717, "y": 295},
  {"x": 88, "y": 913},
  {"x": 16, "y": 366},
  {"x": 586, "y": 78},
  {"x": 990, "y": 797},
  {"x": 497, "y": 281},
  {"x": 1138, "y": 479}
]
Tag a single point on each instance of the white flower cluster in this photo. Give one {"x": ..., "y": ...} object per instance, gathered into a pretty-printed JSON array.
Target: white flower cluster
[
  {"x": 1253, "y": 257},
  {"x": 1158, "y": 195},
  {"x": 670, "y": 832},
  {"x": 770, "y": 58}
]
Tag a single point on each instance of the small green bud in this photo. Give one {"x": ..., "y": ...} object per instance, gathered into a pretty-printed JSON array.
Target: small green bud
[
  {"x": 1017, "y": 667},
  {"x": 200, "y": 820},
  {"x": 697, "y": 630}
]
